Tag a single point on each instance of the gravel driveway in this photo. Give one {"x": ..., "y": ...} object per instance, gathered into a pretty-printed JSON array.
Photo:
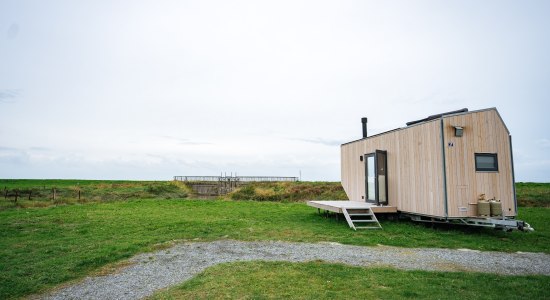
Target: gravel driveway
[{"x": 149, "y": 272}]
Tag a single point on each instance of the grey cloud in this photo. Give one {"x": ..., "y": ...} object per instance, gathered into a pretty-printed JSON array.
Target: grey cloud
[
  {"x": 6, "y": 149},
  {"x": 13, "y": 156},
  {"x": 9, "y": 95},
  {"x": 543, "y": 143},
  {"x": 13, "y": 31}
]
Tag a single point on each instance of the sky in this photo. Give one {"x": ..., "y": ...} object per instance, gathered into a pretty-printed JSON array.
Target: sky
[{"x": 149, "y": 90}]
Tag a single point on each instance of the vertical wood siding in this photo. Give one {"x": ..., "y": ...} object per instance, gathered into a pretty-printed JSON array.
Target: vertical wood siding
[
  {"x": 484, "y": 132},
  {"x": 415, "y": 168},
  {"x": 415, "y": 165}
]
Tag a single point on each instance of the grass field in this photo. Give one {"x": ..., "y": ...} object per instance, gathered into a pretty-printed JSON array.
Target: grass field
[
  {"x": 43, "y": 247},
  {"x": 40, "y": 192},
  {"x": 317, "y": 280},
  {"x": 44, "y": 242},
  {"x": 533, "y": 194}
]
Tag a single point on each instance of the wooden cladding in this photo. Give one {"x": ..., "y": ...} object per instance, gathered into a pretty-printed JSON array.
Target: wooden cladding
[
  {"x": 411, "y": 151},
  {"x": 484, "y": 132},
  {"x": 415, "y": 165}
]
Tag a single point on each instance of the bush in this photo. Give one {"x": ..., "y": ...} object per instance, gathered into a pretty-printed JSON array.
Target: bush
[
  {"x": 244, "y": 193},
  {"x": 289, "y": 191},
  {"x": 162, "y": 189}
]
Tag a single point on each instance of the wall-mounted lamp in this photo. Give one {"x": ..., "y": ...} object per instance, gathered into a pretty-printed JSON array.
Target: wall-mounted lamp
[{"x": 459, "y": 131}]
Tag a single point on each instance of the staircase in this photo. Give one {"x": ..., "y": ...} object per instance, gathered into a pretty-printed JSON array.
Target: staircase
[{"x": 361, "y": 218}]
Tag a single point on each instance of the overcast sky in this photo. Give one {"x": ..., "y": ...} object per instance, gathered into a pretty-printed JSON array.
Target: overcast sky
[{"x": 153, "y": 89}]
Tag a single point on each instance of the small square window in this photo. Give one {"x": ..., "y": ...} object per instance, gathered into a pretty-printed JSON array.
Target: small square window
[{"x": 486, "y": 162}]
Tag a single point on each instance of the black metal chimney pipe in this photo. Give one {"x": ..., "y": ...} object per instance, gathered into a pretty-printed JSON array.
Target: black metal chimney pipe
[{"x": 364, "y": 121}]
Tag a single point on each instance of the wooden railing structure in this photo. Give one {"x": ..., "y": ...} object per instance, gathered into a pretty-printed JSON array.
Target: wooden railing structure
[{"x": 237, "y": 178}]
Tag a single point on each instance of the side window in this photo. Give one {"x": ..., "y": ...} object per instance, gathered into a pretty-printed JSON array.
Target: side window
[{"x": 486, "y": 162}]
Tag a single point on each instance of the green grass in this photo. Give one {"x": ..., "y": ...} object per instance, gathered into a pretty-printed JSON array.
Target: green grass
[
  {"x": 39, "y": 193},
  {"x": 48, "y": 183},
  {"x": 44, "y": 242},
  {"x": 43, "y": 247},
  {"x": 318, "y": 280},
  {"x": 533, "y": 194},
  {"x": 528, "y": 194}
]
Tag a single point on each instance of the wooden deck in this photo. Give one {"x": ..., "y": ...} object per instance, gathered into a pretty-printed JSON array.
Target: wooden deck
[{"x": 337, "y": 205}]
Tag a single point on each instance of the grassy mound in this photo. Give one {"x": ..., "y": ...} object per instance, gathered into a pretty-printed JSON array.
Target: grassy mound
[{"x": 289, "y": 191}]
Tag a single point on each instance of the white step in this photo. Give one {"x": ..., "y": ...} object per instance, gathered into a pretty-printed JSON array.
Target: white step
[
  {"x": 351, "y": 222},
  {"x": 368, "y": 227}
]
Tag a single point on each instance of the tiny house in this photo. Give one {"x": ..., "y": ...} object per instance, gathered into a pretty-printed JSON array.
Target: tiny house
[{"x": 444, "y": 168}]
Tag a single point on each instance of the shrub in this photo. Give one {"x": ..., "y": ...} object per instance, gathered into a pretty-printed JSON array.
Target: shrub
[{"x": 244, "y": 193}]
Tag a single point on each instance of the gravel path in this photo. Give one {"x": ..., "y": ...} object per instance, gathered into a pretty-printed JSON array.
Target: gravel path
[{"x": 152, "y": 271}]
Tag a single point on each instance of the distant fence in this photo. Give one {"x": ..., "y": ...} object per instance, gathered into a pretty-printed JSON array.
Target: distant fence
[
  {"x": 37, "y": 193},
  {"x": 236, "y": 178}
]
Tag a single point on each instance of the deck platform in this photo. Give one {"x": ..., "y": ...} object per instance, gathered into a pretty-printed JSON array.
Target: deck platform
[{"x": 337, "y": 205}]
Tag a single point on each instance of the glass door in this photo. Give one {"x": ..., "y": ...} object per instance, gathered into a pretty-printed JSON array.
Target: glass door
[
  {"x": 376, "y": 180},
  {"x": 370, "y": 177}
]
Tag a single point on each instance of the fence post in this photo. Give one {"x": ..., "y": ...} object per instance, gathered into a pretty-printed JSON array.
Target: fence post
[
  {"x": 30, "y": 194},
  {"x": 16, "y": 195},
  {"x": 79, "y": 194},
  {"x": 5, "y": 193}
]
